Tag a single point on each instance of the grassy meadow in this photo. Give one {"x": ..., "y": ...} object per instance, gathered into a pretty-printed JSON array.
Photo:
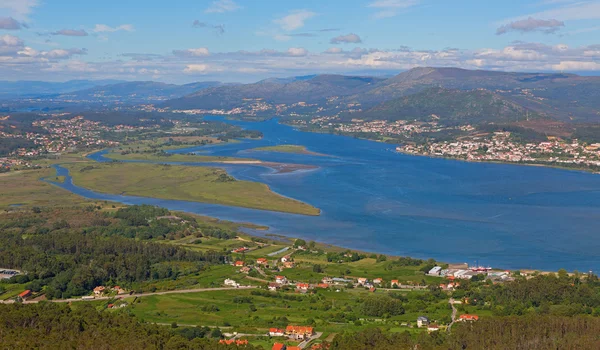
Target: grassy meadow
[{"x": 198, "y": 184}]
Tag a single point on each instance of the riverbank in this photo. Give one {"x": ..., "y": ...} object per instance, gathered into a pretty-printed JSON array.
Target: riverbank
[
  {"x": 555, "y": 165},
  {"x": 293, "y": 149}
]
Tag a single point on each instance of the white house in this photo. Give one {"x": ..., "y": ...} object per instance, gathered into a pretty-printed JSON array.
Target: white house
[
  {"x": 422, "y": 321},
  {"x": 281, "y": 279},
  {"x": 435, "y": 271},
  {"x": 276, "y": 332},
  {"x": 230, "y": 282}
]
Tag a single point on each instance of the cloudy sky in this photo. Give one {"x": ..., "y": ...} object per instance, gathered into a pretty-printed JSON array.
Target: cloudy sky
[{"x": 248, "y": 40}]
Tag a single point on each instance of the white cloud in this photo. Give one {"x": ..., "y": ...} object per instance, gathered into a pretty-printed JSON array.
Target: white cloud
[
  {"x": 294, "y": 20},
  {"x": 390, "y": 8},
  {"x": 19, "y": 9},
  {"x": 334, "y": 50},
  {"x": 221, "y": 6},
  {"x": 199, "y": 52},
  {"x": 576, "y": 66},
  {"x": 580, "y": 10},
  {"x": 346, "y": 39},
  {"x": 297, "y": 51},
  {"x": 103, "y": 28},
  {"x": 531, "y": 25},
  {"x": 196, "y": 68}
]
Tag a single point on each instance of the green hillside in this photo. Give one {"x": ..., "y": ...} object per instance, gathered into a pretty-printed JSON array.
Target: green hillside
[{"x": 451, "y": 107}]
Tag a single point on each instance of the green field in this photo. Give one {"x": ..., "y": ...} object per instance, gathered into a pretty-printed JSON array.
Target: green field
[
  {"x": 168, "y": 157},
  {"x": 198, "y": 184},
  {"x": 286, "y": 149},
  {"x": 26, "y": 188},
  {"x": 190, "y": 308}
]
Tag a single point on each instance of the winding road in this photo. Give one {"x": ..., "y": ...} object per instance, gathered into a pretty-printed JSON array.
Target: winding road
[{"x": 182, "y": 291}]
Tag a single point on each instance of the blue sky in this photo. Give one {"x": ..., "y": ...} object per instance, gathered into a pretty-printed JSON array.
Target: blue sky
[{"x": 248, "y": 40}]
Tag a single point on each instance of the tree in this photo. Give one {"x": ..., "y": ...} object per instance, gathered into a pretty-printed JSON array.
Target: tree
[
  {"x": 317, "y": 268},
  {"x": 299, "y": 243}
]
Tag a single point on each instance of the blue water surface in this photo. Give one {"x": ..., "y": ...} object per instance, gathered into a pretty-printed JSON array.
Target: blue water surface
[{"x": 375, "y": 199}]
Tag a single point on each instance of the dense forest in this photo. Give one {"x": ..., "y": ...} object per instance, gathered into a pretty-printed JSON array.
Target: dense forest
[
  {"x": 60, "y": 326},
  {"x": 71, "y": 257},
  {"x": 524, "y": 333}
]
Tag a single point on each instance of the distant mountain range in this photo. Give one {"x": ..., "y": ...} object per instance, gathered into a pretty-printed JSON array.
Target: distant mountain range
[
  {"x": 566, "y": 97},
  {"x": 135, "y": 92},
  {"x": 450, "y": 93},
  {"x": 310, "y": 89},
  {"x": 14, "y": 89}
]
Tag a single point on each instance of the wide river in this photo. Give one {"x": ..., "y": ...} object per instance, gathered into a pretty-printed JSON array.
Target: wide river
[{"x": 375, "y": 199}]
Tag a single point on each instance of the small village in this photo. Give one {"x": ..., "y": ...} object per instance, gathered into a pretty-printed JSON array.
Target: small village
[
  {"x": 499, "y": 147},
  {"x": 56, "y": 136}
]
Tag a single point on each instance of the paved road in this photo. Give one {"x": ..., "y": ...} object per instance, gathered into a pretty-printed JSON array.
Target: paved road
[
  {"x": 181, "y": 291},
  {"x": 305, "y": 343},
  {"x": 451, "y": 301}
]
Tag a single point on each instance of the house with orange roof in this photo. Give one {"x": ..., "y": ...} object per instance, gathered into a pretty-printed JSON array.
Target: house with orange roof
[
  {"x": 289, "y": 265},
  {"x": 468, "y": 318},
  {"x": 25, "y": 294},
  {"x": 233, "y": 342},
  {"x": 276, "y": 332},
  {"x": 238, "y": 263},
  {"x": 293, "y": 348},
  {"x": 395, "y": 283},
  {"x": 302, "y": 286},
  {"x": 433, "y": 328},
  {"x": 99, "y": 290},
  {"x": 299, "y": 332},
  {"x": 281, "y": 279},
  {"x": 323, "y": 285},
  {"x": 262, "y": 261},
  {"x": 279, "y": 346},
  {"x": 378, "y": 280}
]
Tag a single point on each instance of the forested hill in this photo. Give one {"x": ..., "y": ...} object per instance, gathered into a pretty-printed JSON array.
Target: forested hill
[
  {"x": 450, "y": 106},
  {"x": 301, "y": 89}
]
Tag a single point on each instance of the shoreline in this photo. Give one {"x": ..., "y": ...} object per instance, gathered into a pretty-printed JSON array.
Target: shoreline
[
  {"x": 532, "y": 164},
  {"x": 540, "y": 164}
]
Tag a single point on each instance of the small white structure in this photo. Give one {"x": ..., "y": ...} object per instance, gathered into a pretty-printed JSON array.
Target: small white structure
[
  {"x": 281, "y": 279},
  {"x": 435, "y": 271},
  {"x": 433, "y": 328},
  {"x": 230, "y": 282}
]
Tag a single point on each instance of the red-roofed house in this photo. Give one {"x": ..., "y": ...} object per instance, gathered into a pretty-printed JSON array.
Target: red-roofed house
[
  {"x": 467, "y": 317},
  {"x": 395, "y": 283},
  {"x": 99, "y": 290},
  {"x": 25, "y": 294},
  {"x": 323, "y": 285},
  {"x": 299, "y": 332},
  {"x": 238, "y": 263},
  {"x": 276, "y": 332},
  {"x": 262, "y": 261},
  {"x": 378, "y": 281},
  {"x": 233, "y": 342},
  {"x": 281, "y": 279},
  {"x": 278, "y": 346},
  {"x": 293, "y": 348},
  {"x": 302, "y": 286}
]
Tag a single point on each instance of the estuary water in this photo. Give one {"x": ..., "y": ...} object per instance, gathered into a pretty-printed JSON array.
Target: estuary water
[{"x": 375, "y": 199}]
